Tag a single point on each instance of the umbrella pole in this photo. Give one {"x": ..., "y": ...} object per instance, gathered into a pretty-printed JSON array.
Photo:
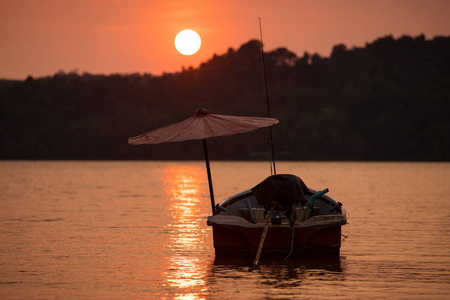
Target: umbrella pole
[{"x": 208, "y": 170}]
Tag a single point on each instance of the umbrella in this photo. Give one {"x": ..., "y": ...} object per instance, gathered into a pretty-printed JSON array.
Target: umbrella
[{"x": 203, "y": 125}]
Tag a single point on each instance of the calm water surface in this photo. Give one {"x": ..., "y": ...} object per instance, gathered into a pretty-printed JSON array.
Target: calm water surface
[{"x": 130, "y": 230}]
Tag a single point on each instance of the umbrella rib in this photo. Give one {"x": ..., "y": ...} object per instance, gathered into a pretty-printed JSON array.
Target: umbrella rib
[
  {"x": 247, "y": 120},
  {"x": 210, "y": 129}
]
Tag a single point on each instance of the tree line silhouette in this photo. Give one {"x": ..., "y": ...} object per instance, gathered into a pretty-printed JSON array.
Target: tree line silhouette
[{"x": 389, "y": 100}]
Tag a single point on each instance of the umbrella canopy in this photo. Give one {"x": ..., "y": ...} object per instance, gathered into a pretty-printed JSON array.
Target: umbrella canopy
[{"x": 203, "y": 125}]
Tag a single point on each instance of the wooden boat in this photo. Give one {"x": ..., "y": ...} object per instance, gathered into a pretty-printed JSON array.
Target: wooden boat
[
  {"x": 279, "y": 215},
  {"x": 303, "y": 219}
]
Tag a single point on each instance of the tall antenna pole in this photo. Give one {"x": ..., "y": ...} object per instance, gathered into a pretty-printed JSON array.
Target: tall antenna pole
[{"x": 271, "y": 151}]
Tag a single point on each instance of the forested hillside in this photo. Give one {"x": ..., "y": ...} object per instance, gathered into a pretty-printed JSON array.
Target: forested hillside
[{"x": 389, "y": 100}]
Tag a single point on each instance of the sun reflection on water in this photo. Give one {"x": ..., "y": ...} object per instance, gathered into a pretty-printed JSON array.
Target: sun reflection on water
[{"x": 187, "y": 208}]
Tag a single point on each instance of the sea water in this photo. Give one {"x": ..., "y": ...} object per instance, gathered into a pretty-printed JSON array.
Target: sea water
[{"x": 131, "y": 230}]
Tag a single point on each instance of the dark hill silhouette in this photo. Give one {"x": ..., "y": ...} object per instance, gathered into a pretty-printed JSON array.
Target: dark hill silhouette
[{"x": 388, "y": 100}]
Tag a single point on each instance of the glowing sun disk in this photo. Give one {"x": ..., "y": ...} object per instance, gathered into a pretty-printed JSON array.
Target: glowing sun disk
[{"x": 187, "y": 42}]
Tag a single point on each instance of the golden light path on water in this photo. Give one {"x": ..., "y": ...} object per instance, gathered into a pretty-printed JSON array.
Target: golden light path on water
[{"x": 187, "y": 210}]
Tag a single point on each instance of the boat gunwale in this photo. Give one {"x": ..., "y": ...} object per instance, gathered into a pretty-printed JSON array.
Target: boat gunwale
[{"x": 320, "y": 220}]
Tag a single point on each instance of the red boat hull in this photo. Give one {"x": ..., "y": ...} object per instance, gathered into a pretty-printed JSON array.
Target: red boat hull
[{"x": 230, "y": 238}]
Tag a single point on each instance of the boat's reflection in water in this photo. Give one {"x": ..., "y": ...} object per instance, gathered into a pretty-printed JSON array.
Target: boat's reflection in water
[
  {"x": 277, "y": 278},
  {"x": 297, "y": 261},
  {"x": 188, "y": 233}
]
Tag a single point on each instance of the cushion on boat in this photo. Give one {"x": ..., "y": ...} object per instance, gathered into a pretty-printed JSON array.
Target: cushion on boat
[{"x": 285, "y": 189}]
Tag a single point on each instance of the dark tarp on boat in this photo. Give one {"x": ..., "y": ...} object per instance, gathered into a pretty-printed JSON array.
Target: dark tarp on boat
[{"x": 285, "y": 189}]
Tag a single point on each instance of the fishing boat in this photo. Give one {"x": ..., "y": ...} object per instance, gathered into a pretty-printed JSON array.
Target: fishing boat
[
  {"x": 298, "y": 219},
  {"x": 280, "y": 214}
]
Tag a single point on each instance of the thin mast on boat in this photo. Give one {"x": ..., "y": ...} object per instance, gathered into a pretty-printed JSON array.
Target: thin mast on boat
[{"x": 273, "y": 170}]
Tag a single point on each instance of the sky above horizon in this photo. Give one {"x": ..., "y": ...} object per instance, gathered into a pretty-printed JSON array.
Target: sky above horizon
[{"x": 42, "y": 37}]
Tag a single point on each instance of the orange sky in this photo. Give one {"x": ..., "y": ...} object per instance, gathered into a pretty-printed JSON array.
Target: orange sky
[{"x": 42, "y": 37}]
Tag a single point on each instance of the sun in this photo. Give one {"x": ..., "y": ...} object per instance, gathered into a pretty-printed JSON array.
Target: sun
[{"x": 187, "y": 42}]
